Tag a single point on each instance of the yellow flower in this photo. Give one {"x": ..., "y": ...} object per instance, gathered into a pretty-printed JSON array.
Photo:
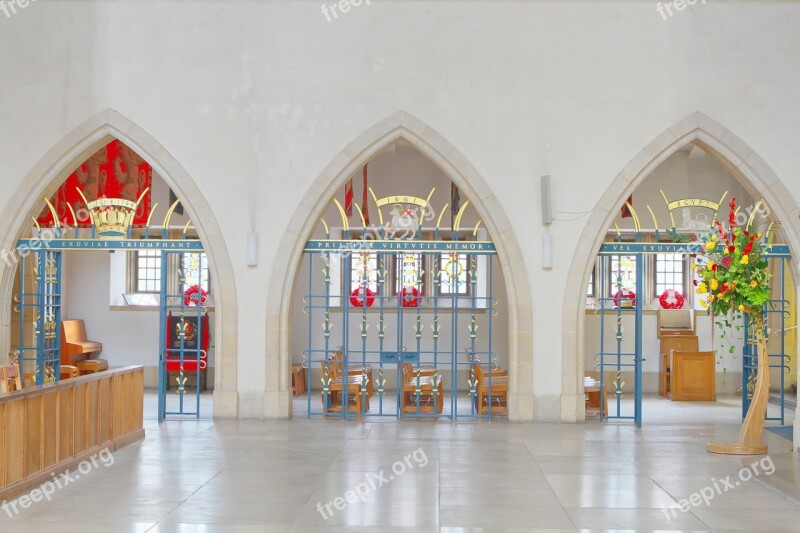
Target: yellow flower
[
  {"x": 702, "y": 288},
  {"x": 714, "y": 284},
  {"x": 710, "y": 265},
  {"x": 711, "y": 245},
  {"x": 754, "y": 284},
  {"x": 745, "y": 259},
  {"x": 741, "y": 307},
  {"x": 704, "y": 304},
  {"x": 758, "y": 235},
  {"x": 711, "y": 298},
  {"x": 725, "y": 251}
]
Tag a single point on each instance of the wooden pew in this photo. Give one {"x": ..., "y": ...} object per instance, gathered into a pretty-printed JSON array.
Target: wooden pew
[
  {"x": 353, "y": 383},
  {"x": 422, "y": 390},
  {"x": 77, "y": 351},
  {"x": 10, "y": 379},
  {"x": 492, "y": 391}
]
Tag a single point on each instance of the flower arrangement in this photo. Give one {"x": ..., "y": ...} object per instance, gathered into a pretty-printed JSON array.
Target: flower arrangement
[{"x": 734, "y": 275}]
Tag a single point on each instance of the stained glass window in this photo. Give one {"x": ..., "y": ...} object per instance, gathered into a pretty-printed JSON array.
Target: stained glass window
[
  {"x": 623, "y": 272},
  {"x": 408, "y": 272},
  {"x": 195, "y": 271},
  {"x": 454, "y": 274},
  {"x": 364, "y": 272}
]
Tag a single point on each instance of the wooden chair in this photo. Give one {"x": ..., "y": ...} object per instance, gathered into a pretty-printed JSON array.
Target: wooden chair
[
  {"x": 10, "y": 378},
  {"x": 491, "y": 389},
  {"x": 77, "y": 351}
]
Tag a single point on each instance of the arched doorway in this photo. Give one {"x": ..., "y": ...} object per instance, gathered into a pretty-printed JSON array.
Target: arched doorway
[
  {"x": 52, "y": 171},
  {"x": 306, "y": 218},
  {"x": 698, "y": 130}
]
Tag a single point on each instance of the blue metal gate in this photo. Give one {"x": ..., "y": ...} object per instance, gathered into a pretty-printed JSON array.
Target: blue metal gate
[
  {"x": 617, "y": 357},
  {"x": 184, "y": 328},
  {"x": 402, "y": 327},
  {"x": 775, "y": 313},
  {"x": 42, "y": 297}
]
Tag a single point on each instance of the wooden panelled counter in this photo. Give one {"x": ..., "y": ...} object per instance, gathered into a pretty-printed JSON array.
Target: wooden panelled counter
[{"x": 52, "y": 428}]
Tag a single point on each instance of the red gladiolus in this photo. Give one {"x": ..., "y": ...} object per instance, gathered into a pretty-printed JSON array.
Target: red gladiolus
[
  {"x": 723, "y": 288},
  {"x": 727, "y": 261},
  {"x": 732, "y": 215},
  {"x": 721, "y": 231},
  {"x": 731, "y": 249},
  {"x": 749, "y": 247},
  {"x": 714, "y": 266}
]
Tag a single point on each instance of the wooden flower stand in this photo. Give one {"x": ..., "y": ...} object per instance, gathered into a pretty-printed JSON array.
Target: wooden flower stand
[{"x": 750, "y": 438}]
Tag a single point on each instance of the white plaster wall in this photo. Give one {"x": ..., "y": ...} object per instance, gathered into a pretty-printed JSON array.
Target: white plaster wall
[
  {"x": 254, "y": 99},
  {"x": 401, "y": 169},
  {"x": 128, "y": 337}
]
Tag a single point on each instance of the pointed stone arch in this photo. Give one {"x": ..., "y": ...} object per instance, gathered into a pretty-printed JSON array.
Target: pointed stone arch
[
  {"x": 56, "y": 165},
  {"x": 746, "y": 165},
  {"x": 400, "y": 125}
]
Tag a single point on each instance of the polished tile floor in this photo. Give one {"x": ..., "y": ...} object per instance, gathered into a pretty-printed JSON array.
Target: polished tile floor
[{"x": 250, "y": 476}]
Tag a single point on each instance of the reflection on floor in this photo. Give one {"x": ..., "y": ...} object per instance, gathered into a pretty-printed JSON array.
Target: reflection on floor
[
  {"x": 258, "y": 476},
  {"x": 464, "y": 407},
  {"x": 659, "y": 410},
  {"x": 173, "y": 404}
]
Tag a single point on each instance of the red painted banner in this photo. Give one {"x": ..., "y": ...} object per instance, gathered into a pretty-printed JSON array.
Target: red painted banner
[{"x": 114, "y": 171}]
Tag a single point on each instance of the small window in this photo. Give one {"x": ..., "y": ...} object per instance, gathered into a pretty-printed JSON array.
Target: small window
[
  {"x": 147, "y": 264},
  {"x": 454, "y": 274},
  {"x": 669, "y": 273},
  {"x": 590, "y": 287}
]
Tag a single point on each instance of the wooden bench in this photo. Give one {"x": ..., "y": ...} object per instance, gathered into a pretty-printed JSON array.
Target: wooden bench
[{"x": 77, "y": 351}]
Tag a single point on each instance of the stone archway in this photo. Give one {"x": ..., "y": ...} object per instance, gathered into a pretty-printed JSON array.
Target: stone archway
[
  {"x": 747, "y": 166},
  {"x": 54, "y": 167},
  {"x": 277, "y": 399}
]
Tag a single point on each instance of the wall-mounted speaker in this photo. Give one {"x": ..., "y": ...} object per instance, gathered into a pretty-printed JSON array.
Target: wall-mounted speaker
[{"x": 547, "y": 215}]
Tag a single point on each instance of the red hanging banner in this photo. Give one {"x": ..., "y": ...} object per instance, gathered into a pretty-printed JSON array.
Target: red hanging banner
[{"x": 114, "y": 171}]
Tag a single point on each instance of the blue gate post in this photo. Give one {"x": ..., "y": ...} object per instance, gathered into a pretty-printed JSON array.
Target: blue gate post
[
  {"x": 162, "y": 341},
  {"x": 638, "y": 340}
]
